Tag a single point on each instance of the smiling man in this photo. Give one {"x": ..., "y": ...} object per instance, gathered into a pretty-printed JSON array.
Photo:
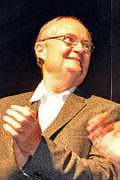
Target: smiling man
[
  {"x": 65, "y": 52},
  {"x": 54, "y": 143}
]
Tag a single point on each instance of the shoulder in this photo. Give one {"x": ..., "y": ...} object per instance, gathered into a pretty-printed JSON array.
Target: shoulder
[
  {"x": 95, "y": 104},
  {"x": 14, "y": 98},
  {"x": 101, "y": 100},
  {"x": 101, "y": 104},
  {"x": 17, "y": 96},
  {"x": 19, "y": 99}
]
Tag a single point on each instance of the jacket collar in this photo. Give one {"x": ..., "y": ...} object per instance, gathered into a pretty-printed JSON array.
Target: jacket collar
[{"x": 74, "y": 104}]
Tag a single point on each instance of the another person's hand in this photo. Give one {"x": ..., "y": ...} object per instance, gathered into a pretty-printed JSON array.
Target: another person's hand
[
  {"x": 105, "y": 135},
  {"x": 21, "y": 123}
]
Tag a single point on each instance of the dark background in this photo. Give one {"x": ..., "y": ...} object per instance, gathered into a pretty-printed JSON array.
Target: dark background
[{"x": 20, "y": 22}]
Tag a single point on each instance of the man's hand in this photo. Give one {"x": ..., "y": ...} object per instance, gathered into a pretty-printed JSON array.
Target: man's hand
[
  {"x": 21, "y": 156},
  {"x": 21, "y": 123},
  {"x": 105, "y": 135}
]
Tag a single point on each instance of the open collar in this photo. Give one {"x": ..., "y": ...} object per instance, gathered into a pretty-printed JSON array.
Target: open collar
[{"x": 72, "y": 106}]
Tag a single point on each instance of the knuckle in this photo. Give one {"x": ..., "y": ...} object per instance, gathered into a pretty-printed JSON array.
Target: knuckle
[
  {"x": 24, "y": 122},
  {"x": 8, "y": 111},
  {"x": 28, "y": 114}
]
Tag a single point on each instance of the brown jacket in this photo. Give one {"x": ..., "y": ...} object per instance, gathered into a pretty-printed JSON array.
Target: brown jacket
[{"x": 65, "y": 151}]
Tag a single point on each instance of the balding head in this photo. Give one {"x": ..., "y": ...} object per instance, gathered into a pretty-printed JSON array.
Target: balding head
[{"x": 49, "y": 29}]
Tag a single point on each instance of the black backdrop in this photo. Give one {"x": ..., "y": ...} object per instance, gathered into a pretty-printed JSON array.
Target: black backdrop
[{"x": 20, "y": 22}]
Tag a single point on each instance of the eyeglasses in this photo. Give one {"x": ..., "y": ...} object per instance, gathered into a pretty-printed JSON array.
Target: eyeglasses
[{"x": 72, "y": 40}]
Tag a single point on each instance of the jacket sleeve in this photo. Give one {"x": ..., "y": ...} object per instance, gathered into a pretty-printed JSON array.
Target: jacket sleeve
[{"x": 50, "y": 161}]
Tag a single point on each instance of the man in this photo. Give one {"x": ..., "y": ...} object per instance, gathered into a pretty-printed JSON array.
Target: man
[{"x": 54, "y": 143}]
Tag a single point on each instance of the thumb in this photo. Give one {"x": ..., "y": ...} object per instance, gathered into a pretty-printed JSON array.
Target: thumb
[{"x": 16, "y": 147}]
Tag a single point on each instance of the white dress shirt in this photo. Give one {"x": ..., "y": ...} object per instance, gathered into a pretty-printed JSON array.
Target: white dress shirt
[{"x": 49, "y": 105}]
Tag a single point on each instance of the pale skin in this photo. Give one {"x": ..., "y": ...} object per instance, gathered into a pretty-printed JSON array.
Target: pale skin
[
  {"x": 25, "y": 142},
  {"x": 106, "y": 138},
  {"x": 63, "y": 68}
]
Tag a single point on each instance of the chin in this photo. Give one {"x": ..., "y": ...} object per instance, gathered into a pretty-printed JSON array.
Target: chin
[{"x": 75, "y": 69}]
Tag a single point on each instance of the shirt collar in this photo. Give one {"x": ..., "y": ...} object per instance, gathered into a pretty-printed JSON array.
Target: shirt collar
[{"x": 41, "y": 91}]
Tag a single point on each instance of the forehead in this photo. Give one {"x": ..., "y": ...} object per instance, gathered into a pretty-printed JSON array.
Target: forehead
[{"x": 65, "y": 26}]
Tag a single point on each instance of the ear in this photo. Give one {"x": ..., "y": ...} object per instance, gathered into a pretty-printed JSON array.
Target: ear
[{"x": 39, "y": 50}]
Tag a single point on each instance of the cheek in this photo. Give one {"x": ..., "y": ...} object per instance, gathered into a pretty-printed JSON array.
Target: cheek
[
  {"x": 87, "y": 62},
  {"x": 54, "y": 59},
  {"x": 86, "y": 65}
]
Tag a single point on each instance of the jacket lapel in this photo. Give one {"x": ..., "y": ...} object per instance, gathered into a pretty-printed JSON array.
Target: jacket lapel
[{"x": 72, "y": 106}]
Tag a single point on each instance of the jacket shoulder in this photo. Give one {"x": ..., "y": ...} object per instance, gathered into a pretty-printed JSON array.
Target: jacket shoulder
[
  {"x": 19, "y": 99},
  {"x": 101, "y": 103},
  {"x": 16, "y": 99}
]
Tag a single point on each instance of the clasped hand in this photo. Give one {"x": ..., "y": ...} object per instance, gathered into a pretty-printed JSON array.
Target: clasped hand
[{"x": 22, "y": 125}]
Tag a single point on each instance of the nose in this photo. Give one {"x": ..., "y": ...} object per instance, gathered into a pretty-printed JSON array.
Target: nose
[{"x": 78, "y": 47}]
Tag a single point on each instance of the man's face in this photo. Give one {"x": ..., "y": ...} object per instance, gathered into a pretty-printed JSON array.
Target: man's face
[{"x": 63, "y": 60}]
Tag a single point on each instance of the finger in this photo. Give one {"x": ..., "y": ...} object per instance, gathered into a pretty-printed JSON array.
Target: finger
[
  {"x": 98, "y": 121},
  {"x": 109, "y": 127},
  {"x": 15, "y": 145},
  {"x": 17, "y": 149},
  {"x": 98, "y": 132},
  {"x": 99, "y": 118},
  {"x": 10, "y": 121},
  {"x": 25, "y": 111},
  {"x": 10, "y": 130},
  {"x": 20, "y": 155},
  {"x": 95, "y": 119},
  {"x": 94, "y": 126},
  {"x": 91, "y": 128},
  {"x": 15, "y": 115},
  {"x": 28, "y": 108}
]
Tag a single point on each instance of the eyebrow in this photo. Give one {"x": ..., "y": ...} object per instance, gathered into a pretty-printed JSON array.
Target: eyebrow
[
  {"x": 89, "y": 41},
  {"x": 71, "y": 34}
]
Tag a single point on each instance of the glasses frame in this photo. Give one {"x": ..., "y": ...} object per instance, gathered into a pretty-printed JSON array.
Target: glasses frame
[{"x": 75, "y": 43}]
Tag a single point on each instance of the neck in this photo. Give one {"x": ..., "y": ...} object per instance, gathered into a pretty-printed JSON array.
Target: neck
[
  {"x": 56, "y": 83},
  {"x": 56, "y": 87}
]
